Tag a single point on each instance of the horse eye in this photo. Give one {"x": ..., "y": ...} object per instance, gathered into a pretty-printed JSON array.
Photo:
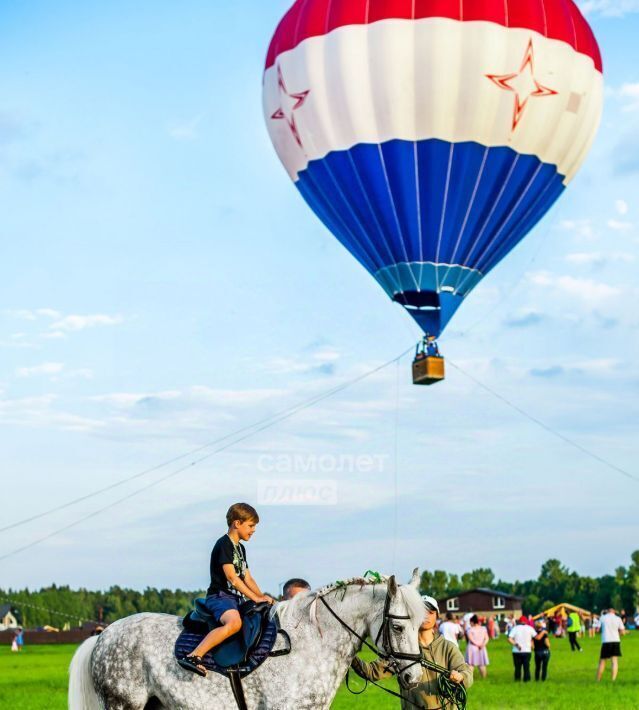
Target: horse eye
[{"x": 397, "y": 628}]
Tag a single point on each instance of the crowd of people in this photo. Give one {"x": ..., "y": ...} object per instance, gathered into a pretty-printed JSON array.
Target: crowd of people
[{"x": 531, "y": 638}]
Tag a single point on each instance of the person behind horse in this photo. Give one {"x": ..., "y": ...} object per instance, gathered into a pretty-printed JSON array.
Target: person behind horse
[
  {"x": 435, "y": 649},
  {"x": 573, "y": 624},
  {"x": 231, "y": 584},
  {"x": 476, "y": 653},
  {"x": 294, "y": 586},
  {"x": 541, "y": 644}
]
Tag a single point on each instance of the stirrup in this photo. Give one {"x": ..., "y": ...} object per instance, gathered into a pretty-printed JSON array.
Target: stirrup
[{"x": 193, "y": 664}]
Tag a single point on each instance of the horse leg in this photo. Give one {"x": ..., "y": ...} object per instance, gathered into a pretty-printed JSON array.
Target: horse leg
[{"x": 134, "y": 701}]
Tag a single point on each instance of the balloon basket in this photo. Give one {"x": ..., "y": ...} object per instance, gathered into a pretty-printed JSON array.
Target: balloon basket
[{"x": 428, "y": 370}]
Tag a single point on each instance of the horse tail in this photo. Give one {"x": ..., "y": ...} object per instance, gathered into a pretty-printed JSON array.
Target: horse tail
[{"x": 82, "y": 695}]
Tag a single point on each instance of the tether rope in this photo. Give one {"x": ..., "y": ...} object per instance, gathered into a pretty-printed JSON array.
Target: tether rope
[
  {"x": 268, "y": 423},
  {"x": 544, "y": 426}
]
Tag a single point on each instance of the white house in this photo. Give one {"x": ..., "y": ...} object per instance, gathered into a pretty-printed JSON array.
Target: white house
[{"x": 7, "y": 619}]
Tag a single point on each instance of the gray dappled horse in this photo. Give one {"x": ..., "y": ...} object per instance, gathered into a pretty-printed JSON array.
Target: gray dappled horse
[{"x": 131, "y": 666}]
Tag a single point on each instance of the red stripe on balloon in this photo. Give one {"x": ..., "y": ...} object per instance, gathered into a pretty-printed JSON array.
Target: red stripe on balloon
[{"x": 555, "y": 19}]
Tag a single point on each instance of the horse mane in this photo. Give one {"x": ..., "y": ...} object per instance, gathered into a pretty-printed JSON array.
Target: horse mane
[
  {"x": 352, "y": 582},
  {"x": 308, "y": 601}
]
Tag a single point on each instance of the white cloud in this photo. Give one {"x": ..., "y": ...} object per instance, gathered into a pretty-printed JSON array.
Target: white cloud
[
  {"x": 23, "y": 314},
  {"x": 34, "y": 314},
  {"x": 195, "y": 396},
  {"x": 586, "y": 258},
  {"x": 84, "y": 373},
  {"x": 601, "y": 366},
  {"x": 629, "y": 94},
  {"x": 609, "y": 8},
  {"x": 186, "y": 131},
  {"x": 47, "y": 368},
  {"x": 76, "y": 322},
  {"x": 63, "y": 324},
  {"x": 596, "y": 258},
  {"x": 320, "y": 361},
  {"x": 48, "y": 313},
  {"x": 619, "y": 226},
  {"x": 621, "y": 206},
  {"x": 584, "y": 289},
  {"x": 582, "y": 228},
  {"x": 39, "y": 412}
]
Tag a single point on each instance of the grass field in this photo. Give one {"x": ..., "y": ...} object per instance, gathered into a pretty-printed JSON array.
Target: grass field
[{"x": 37, "y": 679}]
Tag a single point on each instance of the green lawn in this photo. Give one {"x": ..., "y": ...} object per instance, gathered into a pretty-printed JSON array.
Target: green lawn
[
  {"x": 571, "y": 682},
  {"x": 37, "y": 678}
]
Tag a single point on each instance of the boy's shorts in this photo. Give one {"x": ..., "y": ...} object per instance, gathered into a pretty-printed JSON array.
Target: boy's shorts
[{"x": 220, "y": 603}]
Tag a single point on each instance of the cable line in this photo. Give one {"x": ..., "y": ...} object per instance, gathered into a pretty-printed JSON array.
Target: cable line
[
  {"x": 16, "y": 603},
  {"x": 117, "y": 484},
  {"x": 287, "y": 414},
  {"x": 545, "y": 426}
]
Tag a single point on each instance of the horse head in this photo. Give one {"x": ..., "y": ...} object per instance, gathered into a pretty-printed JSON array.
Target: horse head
[{"x": 396, "y": 629}]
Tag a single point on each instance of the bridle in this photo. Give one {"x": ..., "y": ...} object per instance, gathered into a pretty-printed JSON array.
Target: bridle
[
  {"x": 448, "y": 691},
  {"x": 387, "y": 639},
  {"x": 387, "y": 652}
]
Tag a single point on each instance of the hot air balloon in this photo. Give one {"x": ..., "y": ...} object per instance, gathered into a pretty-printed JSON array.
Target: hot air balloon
[{"x": 430, "y": 136}]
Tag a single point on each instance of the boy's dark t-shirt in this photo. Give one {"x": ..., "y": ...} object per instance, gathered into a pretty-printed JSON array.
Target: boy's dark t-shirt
[{"x": 225, "y": 552}]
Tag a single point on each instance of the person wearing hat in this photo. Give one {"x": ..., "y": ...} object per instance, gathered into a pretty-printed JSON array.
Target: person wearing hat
[
  {"x": 435, "y": 649},
  {"x": 521, "y": 638}
]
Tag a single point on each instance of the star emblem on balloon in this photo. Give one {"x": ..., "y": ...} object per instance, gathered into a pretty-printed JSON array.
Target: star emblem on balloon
[
  {"x": 289, "y": 104},
  {"x": 523, "y": 84}
]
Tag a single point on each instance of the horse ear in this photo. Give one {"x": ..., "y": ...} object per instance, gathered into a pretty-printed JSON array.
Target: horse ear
[
  {"x": 415, "y": 579},
  {"x": 392, "y": 586}
]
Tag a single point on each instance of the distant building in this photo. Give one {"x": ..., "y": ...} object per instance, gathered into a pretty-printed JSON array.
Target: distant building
[
  {"x": 7, "y": 618},
  {"x": 483, "y": 602}
]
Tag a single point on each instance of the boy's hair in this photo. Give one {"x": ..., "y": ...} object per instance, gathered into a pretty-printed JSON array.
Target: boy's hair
[{"x": 241, "y": 512}]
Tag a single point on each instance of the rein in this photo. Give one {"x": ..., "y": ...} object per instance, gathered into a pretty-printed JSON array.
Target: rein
[
  {"x": 447, "y": 690},
  {"x": 354, "y": 633},
  {"x": 450, "y": 693}
]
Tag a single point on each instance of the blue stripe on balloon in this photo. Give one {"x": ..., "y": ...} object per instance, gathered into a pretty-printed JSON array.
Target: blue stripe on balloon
[{"x": 445, "y": 204}]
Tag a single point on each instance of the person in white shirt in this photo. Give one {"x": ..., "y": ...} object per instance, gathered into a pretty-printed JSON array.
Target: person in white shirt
[
  {"x": 612, "y": 629},
  {"x": 521, "y": 638},
  {"x": 451, "y": 630}
]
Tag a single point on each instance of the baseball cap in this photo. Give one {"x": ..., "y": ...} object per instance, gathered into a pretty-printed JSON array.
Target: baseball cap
[{"x": 430, "y": 602}]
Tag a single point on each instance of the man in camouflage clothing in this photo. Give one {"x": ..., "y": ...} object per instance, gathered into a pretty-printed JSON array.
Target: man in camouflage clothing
[{"x": 434, "y": 648}]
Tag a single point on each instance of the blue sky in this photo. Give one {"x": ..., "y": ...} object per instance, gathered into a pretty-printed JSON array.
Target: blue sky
[{"x": 163, "y": 284}]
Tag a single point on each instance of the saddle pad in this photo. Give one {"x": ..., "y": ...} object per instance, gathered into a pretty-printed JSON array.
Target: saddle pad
[{"x": 188, "y": 640}]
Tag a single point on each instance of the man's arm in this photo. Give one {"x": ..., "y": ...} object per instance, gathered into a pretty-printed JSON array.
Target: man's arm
[
  {"x": 376, "y": 670},
  {"x": 461, "y": 672}
]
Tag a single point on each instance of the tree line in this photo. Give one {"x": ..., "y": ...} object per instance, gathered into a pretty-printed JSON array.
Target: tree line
[
  {"x": 57, "y": 605},
  {"x": 556, "y": 583}
]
